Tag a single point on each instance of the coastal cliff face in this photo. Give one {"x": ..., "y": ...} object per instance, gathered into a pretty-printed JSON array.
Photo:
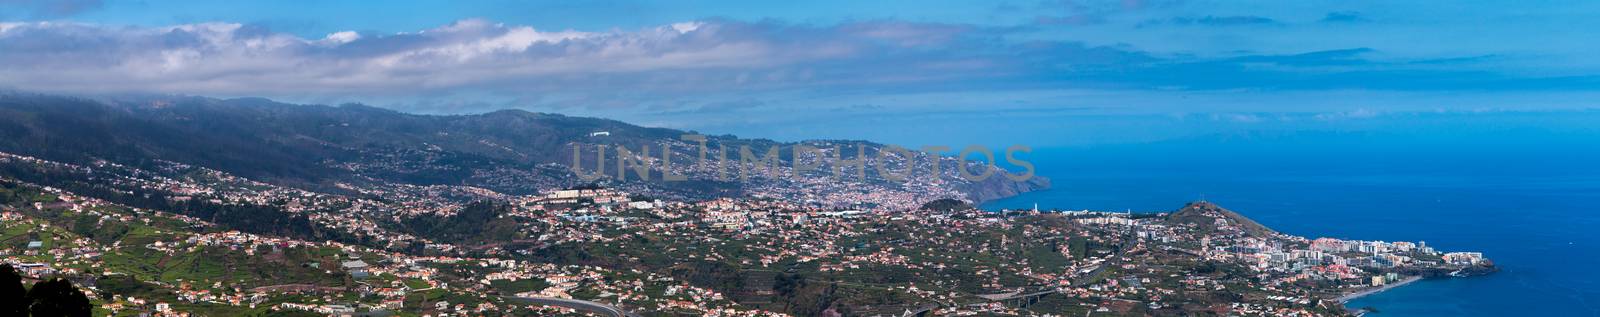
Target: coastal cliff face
[{"x": 992, "y": 189}]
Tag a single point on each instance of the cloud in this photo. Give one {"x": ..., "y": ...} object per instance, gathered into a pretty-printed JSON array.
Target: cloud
[
  {"x": 1351, "y": 56},
  {"x": 239, "y": 58},
  {"x": 233, "y": 58},
  {"x": 1361, "y": 113},
  {"x": 1083, "y": 13},
  {"x": 1075, "y": 19},
  {"x": 859, "y": 108},
  {"x": 1344, "y": 17},
  {"x": 38, "y": 9},
  {"x": 717, "y": 107},
  {"x": 712, "y": 65},
  {"x": 1239, "y": 20},
  {"x": 1237, "y": 117}
]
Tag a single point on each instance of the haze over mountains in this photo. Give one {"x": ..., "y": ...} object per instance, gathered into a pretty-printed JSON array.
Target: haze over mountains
[{"x": 324, "y": 147}]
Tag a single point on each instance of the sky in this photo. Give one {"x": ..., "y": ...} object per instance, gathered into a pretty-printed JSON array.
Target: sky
[{"x": 910, "y": 72}]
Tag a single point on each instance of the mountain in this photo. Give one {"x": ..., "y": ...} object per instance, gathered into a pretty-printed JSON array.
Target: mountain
[{"x": 328, "y": 148}]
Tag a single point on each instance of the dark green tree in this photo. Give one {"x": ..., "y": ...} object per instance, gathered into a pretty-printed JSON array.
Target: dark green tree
[
  {"x": 13, "y": 297},
  {"x": 58, "y": 298}
]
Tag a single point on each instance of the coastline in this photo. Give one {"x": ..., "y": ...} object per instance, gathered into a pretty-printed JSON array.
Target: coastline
[{"x": 1365, "y": 292}]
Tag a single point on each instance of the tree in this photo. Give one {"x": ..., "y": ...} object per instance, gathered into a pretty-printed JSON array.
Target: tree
[
  {"x": 58, "y": 298},
  {"x": 13, "y": 297}
]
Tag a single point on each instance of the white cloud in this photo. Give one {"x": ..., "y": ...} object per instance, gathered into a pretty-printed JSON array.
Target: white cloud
[
  {"x": 675, "y": 66},
  {"x": 230, "y": 58},
  {"x": 342, "y": 37},
  {"x": 686, "y": 27},
  {"x": 1359, "y": 113}
]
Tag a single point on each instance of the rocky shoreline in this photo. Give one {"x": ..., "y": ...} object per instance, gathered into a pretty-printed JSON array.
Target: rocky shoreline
[{"x": 1470, "y": 271}]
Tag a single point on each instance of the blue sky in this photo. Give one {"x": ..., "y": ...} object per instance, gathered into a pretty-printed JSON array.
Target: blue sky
[{"x": 915, "y": 72}]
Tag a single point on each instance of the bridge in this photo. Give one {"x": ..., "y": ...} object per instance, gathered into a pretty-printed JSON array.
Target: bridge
[
  {"x": 1020, "y": 298},
  {"x": 919, "y": 311}
]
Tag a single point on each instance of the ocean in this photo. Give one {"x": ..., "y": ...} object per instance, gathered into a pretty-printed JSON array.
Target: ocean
[{"x": 1532, "y": 208}]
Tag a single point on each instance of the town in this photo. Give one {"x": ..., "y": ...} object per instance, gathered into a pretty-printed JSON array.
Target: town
[{"x": 407, "y": 250}]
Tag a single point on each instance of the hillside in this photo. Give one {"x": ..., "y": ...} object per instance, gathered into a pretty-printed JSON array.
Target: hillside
[
  {"x": 1205, "y": 215},
  {"x": 320, "y": 147}
]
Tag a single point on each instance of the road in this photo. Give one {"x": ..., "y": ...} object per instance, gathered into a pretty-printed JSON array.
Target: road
[{"x": 583, "y": 305}]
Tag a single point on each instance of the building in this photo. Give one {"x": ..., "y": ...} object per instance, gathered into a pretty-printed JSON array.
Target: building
[{"x": 357, "y": 268}]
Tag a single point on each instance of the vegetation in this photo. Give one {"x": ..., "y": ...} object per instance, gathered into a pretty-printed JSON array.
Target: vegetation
[
  {"x": 946, "y": 204},
  {"x": 302, "y": 146},
  {"x": 478, "y": 223},
  {"x": 55, "y": 297}
]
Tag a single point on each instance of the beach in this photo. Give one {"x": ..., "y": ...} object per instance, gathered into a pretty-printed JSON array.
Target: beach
[{"x": 1358, "y": 294}]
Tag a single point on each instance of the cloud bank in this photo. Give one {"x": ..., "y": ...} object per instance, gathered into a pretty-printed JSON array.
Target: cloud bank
[{"x": 712, "y": 56}]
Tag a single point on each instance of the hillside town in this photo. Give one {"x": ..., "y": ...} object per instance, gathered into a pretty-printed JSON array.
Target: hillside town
[{"x": 598, "y": 250}]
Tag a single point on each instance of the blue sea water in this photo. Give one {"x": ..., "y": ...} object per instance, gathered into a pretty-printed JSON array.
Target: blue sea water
[{"x": 1532, "y": 208}]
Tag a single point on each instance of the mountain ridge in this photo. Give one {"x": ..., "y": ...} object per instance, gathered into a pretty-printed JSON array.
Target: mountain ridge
[{"x": 320, "y": 146}]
